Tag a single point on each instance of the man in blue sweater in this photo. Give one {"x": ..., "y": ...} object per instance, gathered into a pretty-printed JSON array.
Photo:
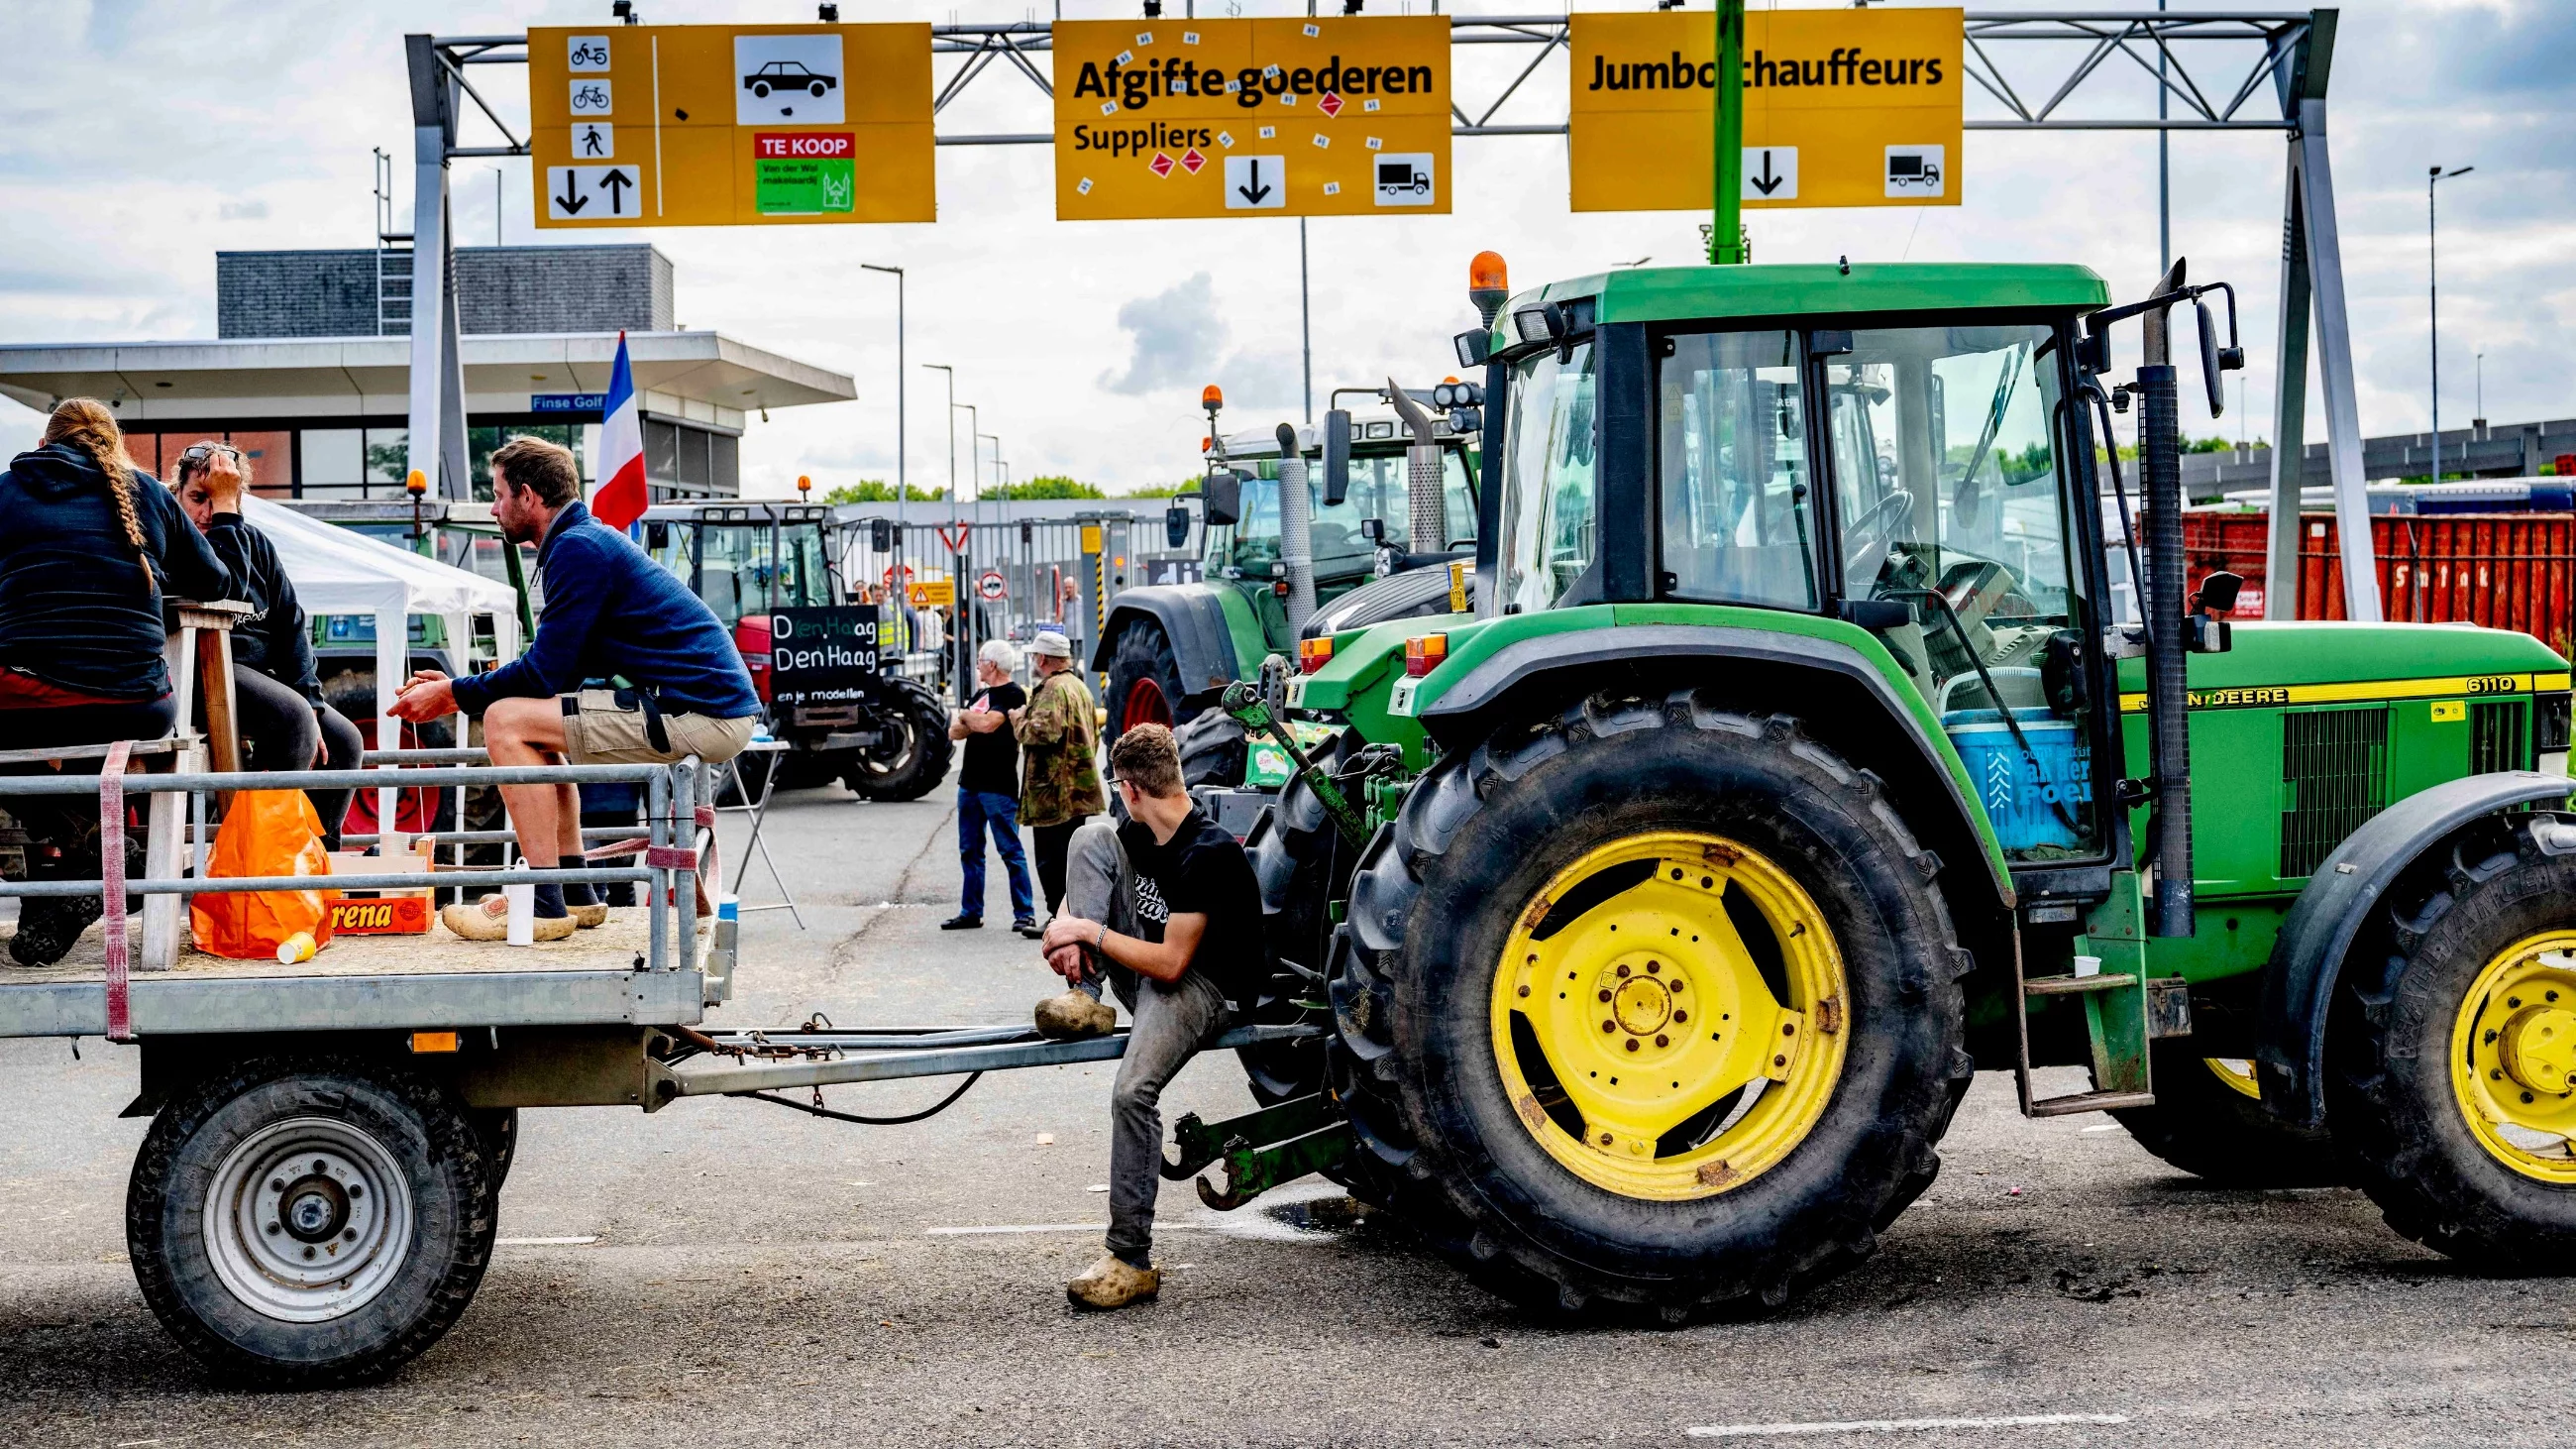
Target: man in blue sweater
[{"x": 628, "y": 666}]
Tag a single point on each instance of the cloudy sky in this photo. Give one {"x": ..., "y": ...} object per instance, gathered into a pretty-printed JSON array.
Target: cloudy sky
[{"x": 142, "y": 138}]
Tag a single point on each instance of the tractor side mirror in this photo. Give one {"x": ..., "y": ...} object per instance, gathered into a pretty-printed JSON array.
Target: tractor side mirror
[
  {"x": 1176, "y": 526},
  {"x": 2209, "y": 363},
  {"x": 1223, "y": 490},
  {"x": 657, "y": 535},
  {"x": 1374, "y": 530},
  {"x": 2217, "y": 593},
  {"x": 1337, "y": 457}
]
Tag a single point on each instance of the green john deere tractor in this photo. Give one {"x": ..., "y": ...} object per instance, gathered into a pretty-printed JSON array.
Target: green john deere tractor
[
  {"x": 1795, "y": 764},
  {"x": 1373, "y": 546}
]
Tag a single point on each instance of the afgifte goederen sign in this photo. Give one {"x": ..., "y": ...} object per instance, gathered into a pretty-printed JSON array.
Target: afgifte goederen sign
[{"x": 821, "y": 655}]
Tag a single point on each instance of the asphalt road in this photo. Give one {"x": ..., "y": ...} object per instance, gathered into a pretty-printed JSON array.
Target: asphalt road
[{"x": 731, "y": 1273}]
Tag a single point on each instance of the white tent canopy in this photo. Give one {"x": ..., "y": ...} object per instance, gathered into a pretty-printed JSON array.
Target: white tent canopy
[{"x": 340, "y": 571}]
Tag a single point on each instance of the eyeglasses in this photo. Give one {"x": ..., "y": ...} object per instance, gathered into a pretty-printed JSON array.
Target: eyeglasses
[{"x": 198, "y": 453}]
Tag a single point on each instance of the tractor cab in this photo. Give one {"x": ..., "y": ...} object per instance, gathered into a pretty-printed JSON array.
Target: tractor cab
[
  {"x": 1352, "y": 536},
  {"x": 1904, "y": 468},
  {"x": 746, "y": 559}
]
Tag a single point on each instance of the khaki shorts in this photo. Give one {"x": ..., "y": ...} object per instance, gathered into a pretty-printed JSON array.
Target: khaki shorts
[{"x": 599, "y": 732}]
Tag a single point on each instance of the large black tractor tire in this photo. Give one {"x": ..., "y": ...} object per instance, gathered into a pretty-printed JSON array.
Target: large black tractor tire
[
  {"x": 2217, "y": 1131},
  {"x": 1301, "y": 864},
  {"x": 1213, "y": 749},
  {"x": 311, "y": 1222},
  {"x": 2450, "y": 1078},
  {"x": 1418, "y": 997},
  {"x": 913, "y": 752},
  {"x": 1145, "y": 685}
]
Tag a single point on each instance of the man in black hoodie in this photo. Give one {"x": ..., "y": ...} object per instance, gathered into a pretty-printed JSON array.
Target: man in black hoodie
[
  {"x": 88, "y": 544},
  {"x": 277, "y": 690}
]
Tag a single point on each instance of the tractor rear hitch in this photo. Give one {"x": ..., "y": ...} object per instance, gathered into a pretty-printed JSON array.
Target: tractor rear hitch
[
  {"x": 1243, "y": 701},
  {"x": 1259, "y": 1150}
]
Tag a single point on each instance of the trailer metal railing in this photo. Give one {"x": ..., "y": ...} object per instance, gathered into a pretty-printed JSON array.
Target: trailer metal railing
[{"x": 672, "y": 816}]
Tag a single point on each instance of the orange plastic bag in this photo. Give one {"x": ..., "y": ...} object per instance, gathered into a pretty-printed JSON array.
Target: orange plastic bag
[{"x": 267, "y": 832}]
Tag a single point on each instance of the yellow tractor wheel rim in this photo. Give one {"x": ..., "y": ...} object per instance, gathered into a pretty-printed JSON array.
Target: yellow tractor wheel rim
[
  {"x": 2237, "y": 1073},
  {"x": 2513, "y": 1057},
  {"x": 1642, "y": 1045}
]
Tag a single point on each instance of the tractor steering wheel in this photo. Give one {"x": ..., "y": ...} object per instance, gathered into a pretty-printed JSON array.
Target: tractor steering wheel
[{"x": 1867, "y": 537}]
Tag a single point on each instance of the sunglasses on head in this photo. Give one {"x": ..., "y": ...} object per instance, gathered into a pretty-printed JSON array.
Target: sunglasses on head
[{"x": 200, "y": 452}]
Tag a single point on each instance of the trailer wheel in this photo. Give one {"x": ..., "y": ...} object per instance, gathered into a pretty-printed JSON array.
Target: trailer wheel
[
  {"x": 2451, "y": 1052},
  {"x": 913, "y": 751},
  {"x": 1145, "y": 680},
  {"x": 309, "y": 1223},
  {"x": 2209, "y": 1121},
  {"x": 1665, "y": 1006}
]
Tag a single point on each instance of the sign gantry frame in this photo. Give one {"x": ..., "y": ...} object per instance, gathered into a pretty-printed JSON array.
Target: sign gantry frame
[{"x": 2214, "y": 66}]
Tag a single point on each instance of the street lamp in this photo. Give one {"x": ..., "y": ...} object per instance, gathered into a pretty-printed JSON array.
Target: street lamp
[
  {"x": 952, "y": 426},
  {"x": 900, "y": 452},
  {"x": 2433, "y": 299}
]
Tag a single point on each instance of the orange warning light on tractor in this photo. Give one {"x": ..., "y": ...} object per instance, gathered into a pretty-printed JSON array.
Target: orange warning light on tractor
[
  {"x": 1212, "y": 397},
  {"x": 1487, "y": 273}
]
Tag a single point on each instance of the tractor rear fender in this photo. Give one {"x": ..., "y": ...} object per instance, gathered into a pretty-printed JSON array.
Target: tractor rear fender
[
  {"x": 1837, "y": 695},
  {"x": 1192, "y": 617},
  {"x": 2308, "y": 955}
]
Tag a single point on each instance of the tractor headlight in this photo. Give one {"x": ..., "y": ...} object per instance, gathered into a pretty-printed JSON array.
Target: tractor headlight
[{"x": 2549, "y": 725}]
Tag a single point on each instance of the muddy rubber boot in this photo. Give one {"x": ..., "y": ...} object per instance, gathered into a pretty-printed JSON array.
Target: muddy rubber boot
[
  {"x": 489, "y": 920},
  {"x": 1111, "y": 1284},
  {"x": 1073, "y": 1015},
  {"x": 48, "y": 925}
]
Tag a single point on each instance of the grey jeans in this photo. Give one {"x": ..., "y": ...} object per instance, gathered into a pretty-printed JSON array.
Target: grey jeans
[{"x": 1171, "y": 1021}]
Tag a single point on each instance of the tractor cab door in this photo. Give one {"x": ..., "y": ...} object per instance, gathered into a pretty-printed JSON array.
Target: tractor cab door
[{"x": 1951, "y": 498}]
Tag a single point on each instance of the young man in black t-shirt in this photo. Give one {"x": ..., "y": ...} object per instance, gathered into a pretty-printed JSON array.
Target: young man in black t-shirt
[
  {"x": 988, "y": 791},
  {"x": 1167, "y": 904}
]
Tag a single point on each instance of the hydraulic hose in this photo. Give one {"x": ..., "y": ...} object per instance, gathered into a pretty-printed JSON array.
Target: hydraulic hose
[{"x": 1296, "y": 531}]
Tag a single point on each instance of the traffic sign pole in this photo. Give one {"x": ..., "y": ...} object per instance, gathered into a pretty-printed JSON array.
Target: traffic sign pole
[{"x": 1726, "y": 104}]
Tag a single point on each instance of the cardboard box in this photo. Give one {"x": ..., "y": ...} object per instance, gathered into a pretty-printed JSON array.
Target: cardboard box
[{"x": 388, "y": 915}]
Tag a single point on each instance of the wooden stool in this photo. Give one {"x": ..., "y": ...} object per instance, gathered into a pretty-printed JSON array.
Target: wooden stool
[{"x": 200, "y": 654}]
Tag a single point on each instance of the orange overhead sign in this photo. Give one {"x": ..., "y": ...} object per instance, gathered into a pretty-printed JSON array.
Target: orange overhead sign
[
  {"x": 1329, "y": 116},
  {"x": 1841, "y": 108},
  {"x": 721, "y": 125}
]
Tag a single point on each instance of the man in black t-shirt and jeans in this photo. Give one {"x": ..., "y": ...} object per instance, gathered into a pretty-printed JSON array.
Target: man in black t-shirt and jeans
[
  {"x": 1167, "y": 904},
  {"x": 988, "y": 790}
]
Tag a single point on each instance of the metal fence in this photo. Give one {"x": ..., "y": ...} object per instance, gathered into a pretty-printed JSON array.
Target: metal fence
[
  {"x": 948, "y": 585},
  {"x": 2502, "y": 570}
]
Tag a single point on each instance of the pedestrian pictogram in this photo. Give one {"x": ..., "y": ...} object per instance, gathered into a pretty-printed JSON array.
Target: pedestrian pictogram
[
  {"x": 594, "y": 141},
  {"x": 1770, "y": 173},
  {"x": 991, "y": 587},
  {"x": 592, "y": 193},
  {"x": 1256, "y": 183}
]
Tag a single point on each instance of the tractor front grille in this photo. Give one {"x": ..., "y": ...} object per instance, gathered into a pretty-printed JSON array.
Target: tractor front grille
[
  {"x": 2496, "y": 736},
  {"x": 2335, "y": 765}
]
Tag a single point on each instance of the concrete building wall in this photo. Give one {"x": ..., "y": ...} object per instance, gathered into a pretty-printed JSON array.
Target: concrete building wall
[{"x": 498, "y": 289}]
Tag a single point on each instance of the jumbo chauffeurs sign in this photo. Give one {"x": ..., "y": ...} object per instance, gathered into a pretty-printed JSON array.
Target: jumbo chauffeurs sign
[
  {"x": 1329, "y": 116},
  {"x": 1841, "y": 108}
]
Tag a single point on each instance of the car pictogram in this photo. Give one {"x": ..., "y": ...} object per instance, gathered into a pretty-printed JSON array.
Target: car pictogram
[{"x": 787, "y": 75}]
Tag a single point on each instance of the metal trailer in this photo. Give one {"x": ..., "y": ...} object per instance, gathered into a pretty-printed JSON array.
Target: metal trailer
[{"x": 315, "y": 1201}]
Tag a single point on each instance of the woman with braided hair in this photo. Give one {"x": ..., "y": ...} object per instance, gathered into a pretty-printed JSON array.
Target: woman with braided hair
[{"x": 88, "y": 545}]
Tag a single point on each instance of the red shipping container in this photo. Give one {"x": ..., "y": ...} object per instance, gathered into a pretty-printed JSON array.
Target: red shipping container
[{"x": 2502, "y": 570}]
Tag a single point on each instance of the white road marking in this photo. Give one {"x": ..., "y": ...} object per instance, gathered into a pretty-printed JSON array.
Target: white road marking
[
  {"x": 545, "y": 1242},
  {"x": 1899, "y": 1426},
  {"x": 2102, "y": 1127},
  {"x": 1015, "y": 1228}
]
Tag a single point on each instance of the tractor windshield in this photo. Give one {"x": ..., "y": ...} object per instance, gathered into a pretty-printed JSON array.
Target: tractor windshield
[
  {"x": 1547, "y": 524},
  {"x": 733, "y": 567}
]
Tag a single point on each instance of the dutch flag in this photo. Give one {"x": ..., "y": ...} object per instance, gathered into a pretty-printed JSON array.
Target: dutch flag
[{"x": 620, "y": 497}]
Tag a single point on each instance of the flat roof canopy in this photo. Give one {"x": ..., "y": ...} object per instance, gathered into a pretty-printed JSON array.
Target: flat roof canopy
[{"x": 703, "y": 377}]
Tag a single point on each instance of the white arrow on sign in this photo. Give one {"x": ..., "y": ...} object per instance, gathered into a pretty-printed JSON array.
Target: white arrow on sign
[
  {"x": 1256, "y": 183},
  {"x": 1770, "y": 173},
  {"x": 593, "y": 193}
]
